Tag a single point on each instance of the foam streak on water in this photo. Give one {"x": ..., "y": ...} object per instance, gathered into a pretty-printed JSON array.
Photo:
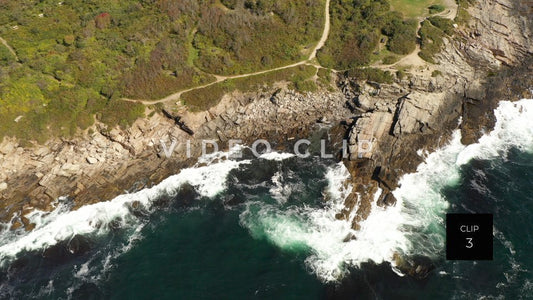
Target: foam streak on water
[
  {"x": 420, "y": 193},
  {"x": 62, "y": 224}
]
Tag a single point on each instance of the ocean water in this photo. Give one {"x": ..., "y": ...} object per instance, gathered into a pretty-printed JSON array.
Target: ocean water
[{"x": 266, "y": 228}]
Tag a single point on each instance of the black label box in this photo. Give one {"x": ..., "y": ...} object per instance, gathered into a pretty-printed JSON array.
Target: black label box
[{"x": 469, "y": 237}]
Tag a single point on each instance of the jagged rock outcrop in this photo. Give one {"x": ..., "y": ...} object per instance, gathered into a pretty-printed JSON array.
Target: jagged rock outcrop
[
  {"x": 100, "y": 165},
  {"x": 422, "y": 112}
]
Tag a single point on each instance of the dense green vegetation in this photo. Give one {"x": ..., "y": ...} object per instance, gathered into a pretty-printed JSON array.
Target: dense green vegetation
[
  {"x": 436, "y": 73},
  {"x": 356, "y": 29},
  {"x": 431, "y": 33},
  {"x": 78, "y": 59},
  {"x": 446, "y": 25},
  {"x": 256, "y": 34},
  {"x": 401, "y": 33}
]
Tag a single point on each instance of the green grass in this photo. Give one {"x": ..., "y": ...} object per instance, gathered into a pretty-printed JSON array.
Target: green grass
[
  {"x": 204, "y": 98},
  {"x": 193, "y": 52},
  {"x": 443, "y": 24},
  {"x": 306, "y": 86},
  {"x": 413, "y": 8},
  {"x": 325, "y": 77},
  {"x": 80, "y": 58}
]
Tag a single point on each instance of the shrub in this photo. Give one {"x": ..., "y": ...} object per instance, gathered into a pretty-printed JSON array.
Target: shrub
[
  {"x": 436, "y": 8},
  {"x": 436, "y": 73},
  {"x": 390, "y": 59},
  {"x": 431, "y": 41},
  {"x": 231, "y": 4},
  {"x": 463, "y": 16},
  {"x": 234, "y": 41},
  {"x": 401, "y": 33},
  {"x": 324, "y": 76},
  {"x": 122, "y": 113},
  {"x": 204, "y": 98},
  {"x": 355, "y": 32},
  {"x": 400, "y": 74},
  {"x": 446, "y": 25}
]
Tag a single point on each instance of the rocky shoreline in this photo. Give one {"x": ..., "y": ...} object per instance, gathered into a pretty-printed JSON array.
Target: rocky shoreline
[
  {"x": 487, "y": 61},
  {"x": 99, "y": 166}
]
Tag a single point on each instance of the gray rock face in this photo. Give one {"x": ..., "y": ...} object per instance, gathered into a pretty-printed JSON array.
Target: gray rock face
[
  {"x": 500, "y": 31},
  {"x": 422, "y": 113},
  {"x": 416, "y": 113},
  {"x": 367, "y": 130}
]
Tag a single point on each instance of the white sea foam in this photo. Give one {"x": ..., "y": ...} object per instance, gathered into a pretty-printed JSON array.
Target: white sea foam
[
  {"x": 62, "y": 224},
  {"x": 280, "y": 191},
  {"x": 415, "y": 225},
  {"x": 328, "y": 240},
  {"x": 278, "y": 156},
  {"x": 513, "y": 128}
]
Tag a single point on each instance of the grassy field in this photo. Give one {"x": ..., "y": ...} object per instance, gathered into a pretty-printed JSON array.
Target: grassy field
[{"x": 413, "y": 8}]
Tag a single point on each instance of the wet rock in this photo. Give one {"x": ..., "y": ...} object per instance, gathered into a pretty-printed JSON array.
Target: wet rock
[
  {"x": 16, "y": 225},
  {"x": 27, "y": 224},
  {"x": 386, "y": 176},
  {"x": 349, "y": 237},
  {"x": 65, "y": 250},
  {"x": 78, "y": 245},
  {"x": 137, "y": 209},
  {"x": 415, "y": 266},
  {"x": 186, "y": 195},
  {"x": 233, "y": 200},
  {"x": 389, "y": 200}
]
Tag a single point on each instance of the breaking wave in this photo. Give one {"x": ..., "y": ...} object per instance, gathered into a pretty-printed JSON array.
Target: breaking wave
[{"x": 415, "y": 225}]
